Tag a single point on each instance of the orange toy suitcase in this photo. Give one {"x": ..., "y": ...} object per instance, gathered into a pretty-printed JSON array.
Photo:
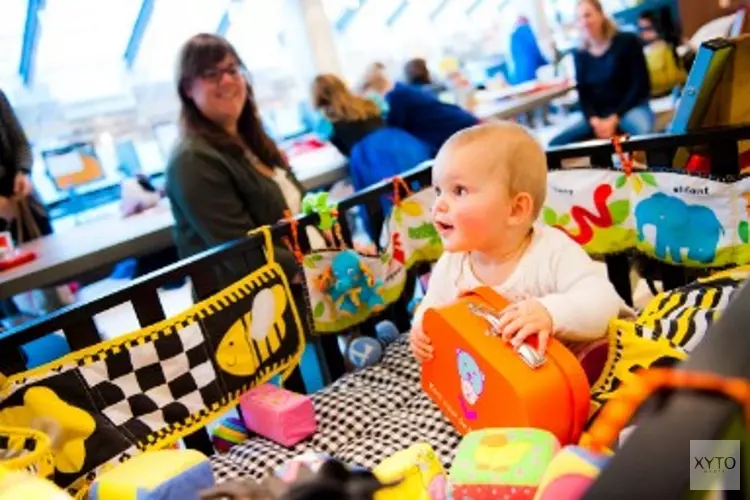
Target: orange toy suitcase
[{"x": 480, "y": 381}]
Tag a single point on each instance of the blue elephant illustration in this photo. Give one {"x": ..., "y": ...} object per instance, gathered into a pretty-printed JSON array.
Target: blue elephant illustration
[{"x": 679, "y": 226}]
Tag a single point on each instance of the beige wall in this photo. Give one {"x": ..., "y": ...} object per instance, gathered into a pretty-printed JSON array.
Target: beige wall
[{"x": 696, "y": 13}]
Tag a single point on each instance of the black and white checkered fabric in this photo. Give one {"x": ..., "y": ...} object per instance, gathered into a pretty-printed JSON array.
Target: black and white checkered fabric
[
  {"x": 363, "y": 418},
  {"x": 152, "y": 385}
]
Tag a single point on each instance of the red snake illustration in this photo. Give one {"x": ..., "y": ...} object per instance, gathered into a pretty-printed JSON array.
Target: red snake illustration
[{"x": 584, "y": 218}]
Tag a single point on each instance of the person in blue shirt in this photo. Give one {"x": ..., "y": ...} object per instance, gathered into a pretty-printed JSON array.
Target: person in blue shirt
[
  {"x": 612, "y": 80},
  {"x": 356, "y": 126},
  {"x": 418, "y": 112},
  {"x": 525, "y": 53}
]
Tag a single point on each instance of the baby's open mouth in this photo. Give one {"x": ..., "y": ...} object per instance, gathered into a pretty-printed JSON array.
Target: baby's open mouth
[{"x": 443, "y": 227}]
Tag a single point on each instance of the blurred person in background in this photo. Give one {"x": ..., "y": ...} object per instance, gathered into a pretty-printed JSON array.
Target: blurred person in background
[
  {"x": 526, "y": 58},
  {"x": 417, "y": 74},
  {"x": 23, "y": 214},
  {"x": 356, "y": 126},
  {"x": 664, "y": 66},
  {"x": 417, "y": 112},
  {"x": 525, "y": 55},
  {"x": 225, "y": 176},
  {"x": 15, "y": 177},
  {"x": 612, "y": 80}
]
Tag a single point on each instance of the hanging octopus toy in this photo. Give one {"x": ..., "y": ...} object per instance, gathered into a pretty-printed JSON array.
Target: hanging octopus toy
[{"x": 351, "y": 285}]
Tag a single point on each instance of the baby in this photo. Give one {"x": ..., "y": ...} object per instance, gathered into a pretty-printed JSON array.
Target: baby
[{"x": 491, "y": 182}]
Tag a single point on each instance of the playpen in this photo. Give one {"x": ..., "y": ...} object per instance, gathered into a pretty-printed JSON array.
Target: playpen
[{"x": 607, "y": 226}]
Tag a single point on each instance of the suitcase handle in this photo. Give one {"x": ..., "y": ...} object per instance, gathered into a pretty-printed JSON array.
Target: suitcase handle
[{"x": 533, "y": 358}]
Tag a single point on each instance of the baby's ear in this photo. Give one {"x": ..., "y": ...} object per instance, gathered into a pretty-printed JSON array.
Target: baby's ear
[{"x": 522, "y": 208}]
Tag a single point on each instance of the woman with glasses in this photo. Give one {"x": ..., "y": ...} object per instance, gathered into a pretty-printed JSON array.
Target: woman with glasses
[{"x": 226, "y": 176}]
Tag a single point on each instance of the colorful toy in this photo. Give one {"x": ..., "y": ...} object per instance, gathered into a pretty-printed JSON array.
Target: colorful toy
[
  {"x": 16, "y": 485},
  {"x": 593, "y": 359},
  {"x": 318, "y": 203},
  {"x": 350, "y": 284},
  {"x": 368, "y": 351},
  {"x": 155, "y": 475},
  {"x": 418, "y": 472},
  {"x": 229, "y": 432},
  {"x": 278, "y": 414},
  {"x": 570, "y": 474},
  {"x": 386, "y": 332},
  {"x": 501, "y": 463},
  {"x": 472, "y": 370},
  {"x": 364, "y": 351}
]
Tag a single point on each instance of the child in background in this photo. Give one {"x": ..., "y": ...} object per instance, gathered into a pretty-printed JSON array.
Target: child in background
[{"x": 491, "y": 182}]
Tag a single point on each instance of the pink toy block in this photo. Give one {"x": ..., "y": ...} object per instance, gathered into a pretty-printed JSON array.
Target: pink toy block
[{"x": 278, "y": 414}]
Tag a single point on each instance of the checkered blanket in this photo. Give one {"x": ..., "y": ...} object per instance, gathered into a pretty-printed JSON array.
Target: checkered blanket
[{"x": 363, "y": 418}]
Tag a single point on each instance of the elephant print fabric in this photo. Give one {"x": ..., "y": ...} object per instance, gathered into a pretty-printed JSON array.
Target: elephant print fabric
[
  {"x": 674, "y": 217},
  {"x": 592, "y": 207},
  {"x": 345, "y": 288},
  {"x": 686, "y": 220}
]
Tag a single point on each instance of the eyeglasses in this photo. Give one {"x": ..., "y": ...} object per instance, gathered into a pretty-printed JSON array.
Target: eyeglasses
[{"x": 214, "y": 75}]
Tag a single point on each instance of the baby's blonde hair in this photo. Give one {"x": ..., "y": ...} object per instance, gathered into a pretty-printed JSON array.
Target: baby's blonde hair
[{"x": 513, "y": 152}]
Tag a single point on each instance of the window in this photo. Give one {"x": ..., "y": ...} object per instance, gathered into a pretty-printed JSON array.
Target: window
[
  {"x": 172, "y": 23},
  {"x": 79, "y": 56},
  {"x": 257, "y": 31},
  {"x": 12, "y": 23}
]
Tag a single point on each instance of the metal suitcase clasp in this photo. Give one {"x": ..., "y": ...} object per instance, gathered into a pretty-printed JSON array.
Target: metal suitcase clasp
[{"x": 533, "y": 358}]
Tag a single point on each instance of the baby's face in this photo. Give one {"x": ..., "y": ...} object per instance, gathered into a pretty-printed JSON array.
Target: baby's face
[{"x": 473, "y": 204}]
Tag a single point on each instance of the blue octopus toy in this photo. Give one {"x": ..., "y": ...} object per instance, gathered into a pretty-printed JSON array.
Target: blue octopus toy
[{"x": 351, "y": 285}]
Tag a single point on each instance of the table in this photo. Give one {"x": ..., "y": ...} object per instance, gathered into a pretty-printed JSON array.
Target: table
[
  {"x": 517, "y": 104},
  {"x": 86, "y": 247}
]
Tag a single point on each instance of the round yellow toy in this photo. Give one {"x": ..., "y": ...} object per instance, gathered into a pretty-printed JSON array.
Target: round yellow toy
[{"x": 15, "y": 485}]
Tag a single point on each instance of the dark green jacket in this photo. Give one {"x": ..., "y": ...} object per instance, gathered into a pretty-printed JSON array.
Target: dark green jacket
[{"x": 216, "y": 197}]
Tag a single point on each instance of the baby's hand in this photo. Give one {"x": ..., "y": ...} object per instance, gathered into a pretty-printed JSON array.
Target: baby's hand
[
  {"x": 525, "y": 318},
  {"x": 420, "y": 344}
]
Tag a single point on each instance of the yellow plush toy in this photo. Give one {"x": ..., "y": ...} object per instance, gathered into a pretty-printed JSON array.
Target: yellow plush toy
[
  {"x": 155, "y": 475},
  {"x": 15, "y": 485},
  {"x": 419, "y": 471}
]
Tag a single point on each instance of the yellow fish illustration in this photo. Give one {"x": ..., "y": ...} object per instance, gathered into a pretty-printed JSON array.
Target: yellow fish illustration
[
  {"x": 254, "y": 337},
  {"x": 497, "y": 454}
]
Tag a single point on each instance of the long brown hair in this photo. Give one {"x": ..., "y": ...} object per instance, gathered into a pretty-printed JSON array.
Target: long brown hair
[
  {"x": 333, "y": 98},
  {"x": 203, "y": 52}
]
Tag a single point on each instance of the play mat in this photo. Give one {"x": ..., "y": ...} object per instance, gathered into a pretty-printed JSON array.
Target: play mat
[{"x": 368, "y": 415}]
